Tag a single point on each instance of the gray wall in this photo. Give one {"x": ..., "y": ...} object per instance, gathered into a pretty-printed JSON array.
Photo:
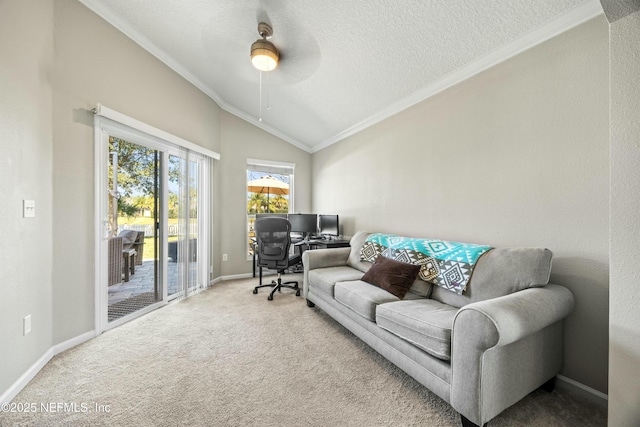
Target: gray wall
[
  {"x": 624, "y": 332},
  {"x": 25, "y": 173},
  {"x": 58, "y": 61},
  {"x": 515, "y": 156},
  {"x": 242, "y": 141},
  {"x": 95, "y": 63}
]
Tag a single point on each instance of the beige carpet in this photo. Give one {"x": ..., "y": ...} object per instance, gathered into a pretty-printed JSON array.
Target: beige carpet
[{"x": 227, "y": 357}]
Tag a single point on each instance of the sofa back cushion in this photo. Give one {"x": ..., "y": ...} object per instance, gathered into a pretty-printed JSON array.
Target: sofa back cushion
[
  {"x": 356, "y": 243},
  {"x": 499, "y": 272}
]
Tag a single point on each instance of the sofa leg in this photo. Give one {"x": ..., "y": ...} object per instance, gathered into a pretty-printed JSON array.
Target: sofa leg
[
  {"x": 310, "y": 304},
  {"x": 550, "y": 385},
  {"x": 467, "y": 423}
]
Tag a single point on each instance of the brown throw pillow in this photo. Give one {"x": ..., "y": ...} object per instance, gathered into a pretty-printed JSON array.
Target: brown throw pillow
[{"x": 393, "y": 276}]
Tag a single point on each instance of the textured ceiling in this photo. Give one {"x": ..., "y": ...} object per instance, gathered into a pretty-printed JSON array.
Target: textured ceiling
[{"x": 344, "y": 64}]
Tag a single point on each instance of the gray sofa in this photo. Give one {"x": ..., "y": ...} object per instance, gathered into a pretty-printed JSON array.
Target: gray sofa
[{"x": 481, "y": 351}]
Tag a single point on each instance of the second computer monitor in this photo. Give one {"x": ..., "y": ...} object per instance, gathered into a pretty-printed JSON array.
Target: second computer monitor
[
  {"x": 328, "y": 225},
  {"x": 303, "y": 223}
]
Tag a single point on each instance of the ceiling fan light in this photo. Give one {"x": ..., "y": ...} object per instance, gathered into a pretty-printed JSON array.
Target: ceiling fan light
[{"x": 264, "y": 55}]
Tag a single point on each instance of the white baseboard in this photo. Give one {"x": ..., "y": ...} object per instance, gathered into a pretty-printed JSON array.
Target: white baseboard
[
  {"x": 214, "y": 281},
  {"x": 33, "y": 370},
  {"x": 245, "y": 276},
  {"x": 237, "y": 276},
  {"x": 64, "y": 346},
  {"x": 25, "y": 378},
  {"x": 583, "y": 391}
]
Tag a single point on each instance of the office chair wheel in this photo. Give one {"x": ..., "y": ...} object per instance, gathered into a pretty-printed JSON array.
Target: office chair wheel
[
  {"x": 270, "y": 297},
  {"x": 255, "y": 291}
]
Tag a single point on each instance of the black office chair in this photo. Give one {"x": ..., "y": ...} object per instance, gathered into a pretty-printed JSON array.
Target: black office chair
[{"x": 274, "y": 241}]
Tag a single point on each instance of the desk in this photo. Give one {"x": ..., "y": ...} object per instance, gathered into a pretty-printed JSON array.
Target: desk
[
  {"x": 328, "y": 244},
  {"x": 315, "y": 244},
  {"x": 321, "y": 244}
]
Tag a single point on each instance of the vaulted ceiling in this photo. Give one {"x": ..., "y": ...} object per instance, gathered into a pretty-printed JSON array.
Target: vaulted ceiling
[{"x": 345, "y": 65}]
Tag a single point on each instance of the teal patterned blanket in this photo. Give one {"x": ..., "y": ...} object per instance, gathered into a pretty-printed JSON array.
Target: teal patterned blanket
[{"x": 443, "y": 263}]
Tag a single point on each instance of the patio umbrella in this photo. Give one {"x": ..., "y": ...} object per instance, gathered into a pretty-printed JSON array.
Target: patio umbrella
[{"x": 268, "y": 185}]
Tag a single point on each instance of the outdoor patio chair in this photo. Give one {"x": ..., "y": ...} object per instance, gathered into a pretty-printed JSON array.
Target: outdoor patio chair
[
  {"x": 133, "y": 240},
  {"x": 116, "y": 261},
  {"x": 138, "y": 245}
]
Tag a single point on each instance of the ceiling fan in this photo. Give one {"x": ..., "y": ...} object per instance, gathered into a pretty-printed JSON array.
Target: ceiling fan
[
  {"x": 264, "y": 54},
  {"x": 296, "y": 57}
]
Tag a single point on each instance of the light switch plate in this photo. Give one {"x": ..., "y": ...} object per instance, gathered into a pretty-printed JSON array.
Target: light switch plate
[
  {"x": 26, "y": 325},
  {"x": 29, "y": 208}
]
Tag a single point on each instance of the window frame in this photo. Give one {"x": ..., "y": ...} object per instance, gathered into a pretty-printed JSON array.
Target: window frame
[{"x": 268, "y": 167}]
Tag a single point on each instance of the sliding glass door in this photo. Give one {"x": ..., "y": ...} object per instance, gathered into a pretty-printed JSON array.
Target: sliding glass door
[
  {"x": 134, "y": 227},
  {"x": 153, "y": 220}
]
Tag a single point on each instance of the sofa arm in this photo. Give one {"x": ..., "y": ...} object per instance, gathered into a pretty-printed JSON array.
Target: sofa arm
[
  {"x": 322, "y": 258},
  {"x": 504, "y": 348},
  {"x": 519, "y": 314}
]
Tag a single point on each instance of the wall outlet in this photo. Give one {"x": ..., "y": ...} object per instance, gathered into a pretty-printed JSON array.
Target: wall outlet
[
  {"x": 225, "y": 257},
  {"x": 26, "y": 325}
]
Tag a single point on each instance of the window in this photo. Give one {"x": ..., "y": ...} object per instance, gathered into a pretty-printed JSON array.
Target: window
[{"x": 269, "y": 191}]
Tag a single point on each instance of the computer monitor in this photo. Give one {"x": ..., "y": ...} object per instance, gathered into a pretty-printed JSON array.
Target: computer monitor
[
  {"x": 303, "y": 223},
  {"x": 328, "y": 225},
  {"x": 271, "y": 215}
]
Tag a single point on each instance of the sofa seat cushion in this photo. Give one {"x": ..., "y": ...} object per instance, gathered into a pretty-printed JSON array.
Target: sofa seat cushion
[
  {"x": 362, "y": 297},
  {"x": 323, "y": 279},
  {"x": 423, "y": 322}
]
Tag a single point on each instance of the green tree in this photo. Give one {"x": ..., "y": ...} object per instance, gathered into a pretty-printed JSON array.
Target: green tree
[
  {"x": 173, "y": 205},
  {"x": 137, "y": 167},
  {"x": 127, "y": 209},
  {"x": 137, "y": 177},
  {"x": 257, "y": 203},
  {"x": 278, "y": 204}
]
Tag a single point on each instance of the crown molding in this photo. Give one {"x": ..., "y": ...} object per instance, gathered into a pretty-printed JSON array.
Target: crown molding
[
  {"x": 586, "y": 11},
  {"x": 262, "y": 125},
  {"x": 99, "y": 9}
]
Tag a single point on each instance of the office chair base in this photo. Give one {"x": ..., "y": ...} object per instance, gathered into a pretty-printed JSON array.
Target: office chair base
[{"x": 277, "y": 286}]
